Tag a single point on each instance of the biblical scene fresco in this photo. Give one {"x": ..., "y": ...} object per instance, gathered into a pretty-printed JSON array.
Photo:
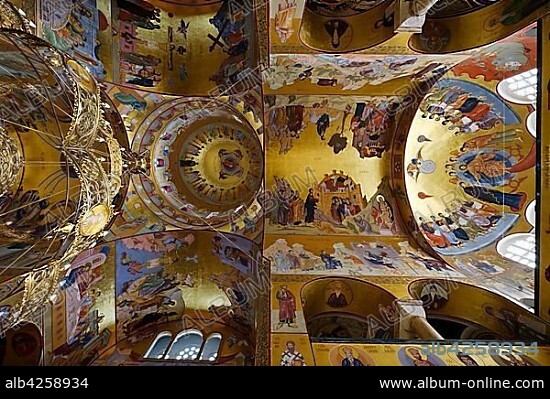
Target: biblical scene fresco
[
  {"x": 349, "y": 72},
  {"x": 159, "y": 279},
  {"x": 155, "y": 42},
  {"x": 76, "y": 29},
  {"x": 352, "y": 135},
  {"x": 352, "y": 257},
  {"x": 83, "y": 314},
  {"x": 488, "y": 171},
  {"x": 467, "y": 199},
  {"x": 332, "y": 354}
]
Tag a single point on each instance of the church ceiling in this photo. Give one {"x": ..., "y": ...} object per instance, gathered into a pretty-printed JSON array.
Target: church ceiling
[{"x": 326, "y": 149}]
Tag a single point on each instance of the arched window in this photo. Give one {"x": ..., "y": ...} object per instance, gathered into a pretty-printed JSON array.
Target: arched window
[
  {"x": 521, "y": 88},
  {"x": 519, "y": 247},
  {"x": 211, "y": 347},
  {"x": 186, "y": 346},
  {"x": 159, "y": 346}
]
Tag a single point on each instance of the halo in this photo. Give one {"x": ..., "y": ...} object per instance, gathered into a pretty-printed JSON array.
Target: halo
[{"x": 354, "y": 352}]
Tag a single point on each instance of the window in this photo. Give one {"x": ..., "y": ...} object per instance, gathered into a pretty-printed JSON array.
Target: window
[
  {"x": 159, "y": 346},
  {"x": 521, "y": 88},
  {"x": 187, "y": 345},
  {"x": 211, "y": 347},
  {"x": 519, "y": 247}
]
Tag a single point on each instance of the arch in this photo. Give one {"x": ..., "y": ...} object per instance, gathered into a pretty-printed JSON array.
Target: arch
[
  {"x": 186, "y": 345},
  {"x": 159, "y": 345},
  {"x": 486, "y": 308},
  {"x": 211, "y": 347},
  {"x": 337, "y": 32},
  {"x": 349, "y": 300}
]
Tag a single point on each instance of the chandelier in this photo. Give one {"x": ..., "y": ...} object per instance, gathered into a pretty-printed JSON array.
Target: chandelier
[{"x": 61, "y": 165}]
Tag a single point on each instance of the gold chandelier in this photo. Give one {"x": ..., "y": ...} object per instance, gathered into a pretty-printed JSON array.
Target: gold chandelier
[{"x": 88, "y": 149}]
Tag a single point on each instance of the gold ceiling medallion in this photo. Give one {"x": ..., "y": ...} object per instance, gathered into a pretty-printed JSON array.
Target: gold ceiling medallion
[{"x": 94, "y": 221}]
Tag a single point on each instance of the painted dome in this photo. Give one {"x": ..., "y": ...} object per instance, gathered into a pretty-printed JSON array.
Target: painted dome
[{"x": 208, "y": 162}]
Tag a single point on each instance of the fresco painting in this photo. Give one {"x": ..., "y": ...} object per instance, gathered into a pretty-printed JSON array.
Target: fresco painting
[
  {"x": 412, "y": 356},
  {"x": 442, "y": 32},
  {"x": 350, "y": 356},
  {"x": 467, "y": 107},
  {"x": 159, "y": 278},
  {"x": 467, "y": 199},
  {"x": 291, "y": 350},
  {"x": 350, "y": 72},
  {"x": 143, "y": 120},
  {"x": 352, "y": 257},
  {"x": 504, "y": 59},
  {"x": 364, "y": 196},
  {"x": 346, "y": 131},
  {"x": 83, "y": 312},
  {"x": 287, "y": 315},
  {"x": 74, "y": 28},
  {"x": 334, "y": 354},
  {"x": 155, "y": 42}
]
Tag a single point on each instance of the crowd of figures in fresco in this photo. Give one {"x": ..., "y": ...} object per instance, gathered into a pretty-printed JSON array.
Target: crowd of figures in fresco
[
  {"x": 487, "y": 166},
  {"x": 355, "y": 258},
  {"x": 73, "y": 28},
  {"x": 461, "y": 110},
  {"x": 370, "y": 123},
  {"x": 334, "y": 204},
  {"x": 465, "y": 226},
  {"x": 137, "y": 65},
  {"x": 351, "y": 72},
  {"x": 142, "y": 64}
]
